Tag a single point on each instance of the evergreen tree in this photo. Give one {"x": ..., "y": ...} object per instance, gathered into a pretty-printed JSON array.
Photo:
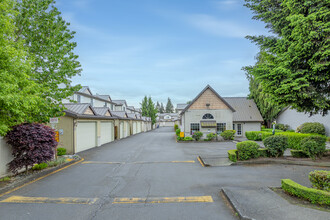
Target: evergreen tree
[
  {"x": 158, "y": 106},
  {"x": 161, "y": 109},
  {"x": 169, "y": 106},
  {"x": 144, "y": 107},
  {"x": 152, "y": 110},
  {"x": 295, "y": 67}
]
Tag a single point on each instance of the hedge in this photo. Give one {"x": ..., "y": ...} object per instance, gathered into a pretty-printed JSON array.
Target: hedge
[
  {"x": 314, "y": 195},
  {"x": 298, "y": 154},
  {"x": 263, "y": 152},
  {"x": 257, "y": 135},
  {"x": 320, "y": 179},
  {"x": 271, "y": 130},
  {"x": 232, "y": 155}
]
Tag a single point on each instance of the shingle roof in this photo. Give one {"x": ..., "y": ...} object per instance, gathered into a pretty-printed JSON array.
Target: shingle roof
[
  {"x": 181, "y": 106},
  {"x": 246, "y": 109},
  {"x": 101, "y": 110},
  {"x": 105, "y": 97},
  {"x": 78, "y": 108},
  {"x": 131, "y": 115},
  {"x": 120, "y": 102}
]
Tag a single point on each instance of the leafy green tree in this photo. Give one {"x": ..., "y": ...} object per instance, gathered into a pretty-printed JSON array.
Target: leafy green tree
[
  {"x": 158, "y": 106},
  {"x": 295, "y": 71},
  {"x": 161, "y": 109},
  {"x": 152, "y": 110},
  {"x": 144, "y": 107},
  {"x": 20, "y": 99},
  {"x": 49, "y": 43},
  {"x": 169, "y": 106}
]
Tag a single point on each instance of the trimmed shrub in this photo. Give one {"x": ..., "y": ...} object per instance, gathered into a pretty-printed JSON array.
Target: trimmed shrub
[
  {"x": 313, "y": 146},
  {"x": 179, "y": 138},
  {"x": 177, "y": 132},
  {"x": 32, "y": 144},
  {"x": 314, "y": 195},
  {"x": 232, "y": 155},
  {"x": 263, "y": 152},
  {"x": 247, "y": 150},
  {"x": 320, "y": 179},
  {"x": 282, "y": 127},
  {"x": 188, "y": 139},
  {"x": 40, "y": 166},
  {"x": 61, "y": 151},
  {"x": 298, "y": 154},
  {"x": 176, "y": 127},
  {"x": 294, "y": 139},
  {"x": 197, "y": 135},
  {"x": 228, "y": 134},
  {"x": 276, "y": 145},
  {"x": 257, "y": 135},
  {"x": 271, "y": 130},
  {"x": 211, "y": 136},
  {"x": 312, "y": 127}
]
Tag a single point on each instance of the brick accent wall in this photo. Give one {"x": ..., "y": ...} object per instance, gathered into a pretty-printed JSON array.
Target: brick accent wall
[{"x": 208, "y": 97}]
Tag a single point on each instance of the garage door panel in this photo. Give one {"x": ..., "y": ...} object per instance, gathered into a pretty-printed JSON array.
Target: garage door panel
[
  {"x": 86, "y": 136},
  {"x": 106, "y": 132}
]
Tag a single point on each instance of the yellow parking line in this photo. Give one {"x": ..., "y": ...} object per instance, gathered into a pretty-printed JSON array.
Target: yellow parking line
[
  {"x": 189, "y": 199},
  {"x": 19, "y": 187},
  {"x": 66, "y": 200},
  {"x": 200, "y": 161}
]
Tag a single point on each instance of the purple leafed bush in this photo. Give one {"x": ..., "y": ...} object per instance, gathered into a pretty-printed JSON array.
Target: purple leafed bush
[{"x": 31, "y": 144}]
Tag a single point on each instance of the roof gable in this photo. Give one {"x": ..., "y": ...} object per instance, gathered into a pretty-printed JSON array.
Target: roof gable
[
  {"x": 85, "y": 89},
  {"x": 208, "y": 98}
]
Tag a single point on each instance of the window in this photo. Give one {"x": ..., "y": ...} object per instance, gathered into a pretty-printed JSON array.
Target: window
[
  {"x": 194, "y": 127},
  {"x": 239, "y": 130},
  {"x": 208, "y": 116},
  {"x": 221, "y": 127}
]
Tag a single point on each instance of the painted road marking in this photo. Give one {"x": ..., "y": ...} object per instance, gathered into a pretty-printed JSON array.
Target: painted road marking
[
  {"x": 33, "y": 181},
  {"x": 138, "y": 162},
  {"x": 200, "y": 161},
  {"x": 65, "y": 200},
  {"x": 188, "y": 199}
]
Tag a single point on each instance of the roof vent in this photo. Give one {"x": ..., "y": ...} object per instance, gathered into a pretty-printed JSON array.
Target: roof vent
[{"x": 208, "y": 104}]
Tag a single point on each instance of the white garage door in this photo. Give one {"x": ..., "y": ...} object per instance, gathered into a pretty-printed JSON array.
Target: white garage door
[
  {"x": 127, "y": 129},
  {"x": 106, "y": 132},
  {"x": 134, "y": 127},
  {"x": 138, "y": 127},
  {"x": 86, "y": 136},
  {"x": 121, "y": 130}
]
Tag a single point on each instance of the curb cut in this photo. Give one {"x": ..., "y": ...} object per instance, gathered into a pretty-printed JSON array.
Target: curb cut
[
  {"x": 202, "y": 162},
  {"x": 237, "y": 210},
  {"x": 34, "y": 177},
  {"x": 282, "y": 162}
]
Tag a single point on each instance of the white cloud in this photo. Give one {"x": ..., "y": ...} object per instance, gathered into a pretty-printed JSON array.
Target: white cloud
[{"x": 218, "y": 27}]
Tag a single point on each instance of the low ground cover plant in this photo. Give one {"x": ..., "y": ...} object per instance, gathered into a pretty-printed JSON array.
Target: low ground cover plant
[
  {"x": 188, "y": 139},
  {"x": 228, "y": 134},
  {"x": 5, "y": 179},
  {"x": 57, "y": 162},
  {"x": 312, "y": 127},
  {"x": 40, "y": 166},
  {"x": 276, "y": 145},
  {"x": 313, "y": 146},
  {"x": 61, "y": 151},
  {"x": 320, "y": 179},
  {"x": 32, "y": 144},
  {"x": 197, "y": 135},
  {"x": 247, "y": 150}
]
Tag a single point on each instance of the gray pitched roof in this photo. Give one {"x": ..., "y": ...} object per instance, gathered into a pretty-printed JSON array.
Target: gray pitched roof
[
  {"x": 120, "y": 102},
  {"x": 84, "y": 88},
  {"x": 120, "y": 114},
  {"x": 246, "y": 109},
  {"x": 131, "y": 115},
  {"x": 78, "y": 108},
  {"x": 181, "y": 106},
  {"x": 105, "y": 97},
  {"x": 131, "y": 107},
  {"x": 201, "y": 93},
  {"x": 101, "y": 110}
]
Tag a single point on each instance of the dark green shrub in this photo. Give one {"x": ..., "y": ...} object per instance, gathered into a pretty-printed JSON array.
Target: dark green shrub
[
  {"x": 232, "y": 155},
  {"x": 176, "y": 127},
  {"x": 61, "y": 151},
  {"x": 263, "y": 152},
  {"x": 312, "y": 127},
  {"x": 320, "y": 179},
  {"x": 257, "y": 135},
  {"x": 211, "y": 136},
  {"x": 179, "y": 138},
  {"x": 40, "y": 166},
  {"x": 313, "y": 146},
  {"x": 247, "y": 150},
  {"x": 294, "y": 139},
  {"x": 177, "y": 132},
  {"x": 197, "y": 135},
  {"x": 282, "y": 127},
  {"x": 276, "y": 145},
  {"x": 314, "y": 195},
  {"x": 188, "y": 139},
  {"x": 271, "y": 130},
  {"x": 228, "y": 134},
  {"x": 298, "y": 154}
]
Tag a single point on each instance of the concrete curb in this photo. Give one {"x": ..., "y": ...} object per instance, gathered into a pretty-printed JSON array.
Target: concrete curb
[
  {"x": 202, "y": 162},
  {"x": 234, "y": 206},
  {"x": 283, "y": 162},
  {"x": 35, "y": 176}
]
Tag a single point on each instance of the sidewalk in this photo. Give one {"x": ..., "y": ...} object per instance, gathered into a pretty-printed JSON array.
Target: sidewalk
[{"x": 263, "y": 203}]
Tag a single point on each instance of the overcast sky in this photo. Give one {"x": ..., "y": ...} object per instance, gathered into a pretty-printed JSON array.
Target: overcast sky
[{"x": 162, "y": 48}]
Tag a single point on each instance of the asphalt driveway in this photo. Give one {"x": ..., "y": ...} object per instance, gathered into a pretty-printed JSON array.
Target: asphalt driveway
[{"x": 146, "y": 176}]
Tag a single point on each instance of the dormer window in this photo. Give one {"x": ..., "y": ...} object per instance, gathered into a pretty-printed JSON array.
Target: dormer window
[{"x": 208, "y": 116}]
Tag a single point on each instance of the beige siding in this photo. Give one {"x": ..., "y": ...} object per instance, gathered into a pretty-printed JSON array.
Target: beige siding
[
  {"x": 208, "y": 97},
  {"x": 66, "y": 140},
  {"x": 89, "y": 112},
  {"x": 5, "y": 157}
]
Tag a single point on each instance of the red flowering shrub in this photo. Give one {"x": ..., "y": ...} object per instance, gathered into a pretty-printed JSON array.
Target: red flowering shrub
[{"x": 31, "y": 144}]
